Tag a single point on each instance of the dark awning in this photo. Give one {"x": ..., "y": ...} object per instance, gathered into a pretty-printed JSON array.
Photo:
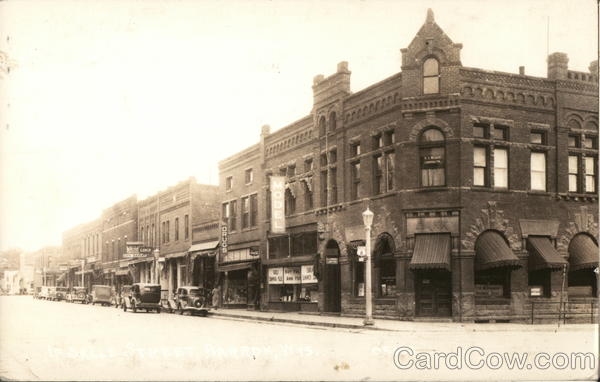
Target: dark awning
[
  {"x": 543, "y": 255},
  {"x": 236, "y": 267},
  {"x": 432, "y": 251},
  {"x": 583, "y": 253},
  {"x": 491, "y": 251}
]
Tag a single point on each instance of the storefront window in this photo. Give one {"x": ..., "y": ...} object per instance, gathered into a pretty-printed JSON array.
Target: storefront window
[
  {"x": 492, "y": 283},
  {"x": 387, "y": 278},
  {"x": 293, "y": 284},
  {"x": 236, "y": 291}
]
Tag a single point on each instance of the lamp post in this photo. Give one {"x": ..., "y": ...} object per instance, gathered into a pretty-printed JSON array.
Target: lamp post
[{"x": 368, "y": 221}]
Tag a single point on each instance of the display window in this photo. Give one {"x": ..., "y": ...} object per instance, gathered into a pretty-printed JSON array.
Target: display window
[
  {"x": 236, "y": 289},
  {"x": 293, "y": 284}
]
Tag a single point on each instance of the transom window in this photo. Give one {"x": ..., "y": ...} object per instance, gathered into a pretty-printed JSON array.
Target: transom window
[{"x": 431, "y": 76}]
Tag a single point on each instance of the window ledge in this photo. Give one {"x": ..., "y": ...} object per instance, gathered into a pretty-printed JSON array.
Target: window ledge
[
  {"x": 432, "y": 189},
  {"x": 491, "y": 189},
  {"x": 536, "y": 192}
]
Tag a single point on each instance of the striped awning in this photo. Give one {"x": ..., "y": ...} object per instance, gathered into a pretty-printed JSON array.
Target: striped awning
[
  {"x": 583, "y": 253},
  {"x": 432, "y": 251},
  {"x": 207, "y": 246},
  {"x": 492, "y": 251},
  {"x": 543, "y": 255}
]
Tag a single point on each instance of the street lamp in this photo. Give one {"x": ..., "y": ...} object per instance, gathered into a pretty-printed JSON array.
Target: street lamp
[
  {"x": 155, "y": 273},
  {"x": 368, "y": 221}
]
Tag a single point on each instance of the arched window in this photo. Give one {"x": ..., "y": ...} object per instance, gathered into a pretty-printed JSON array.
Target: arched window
[
  {"x": 432, "y": 154},
  {"x": 322, "y": 126},
  {"x": 332, "y": 121},
  {"x": 431, "y": 76}
]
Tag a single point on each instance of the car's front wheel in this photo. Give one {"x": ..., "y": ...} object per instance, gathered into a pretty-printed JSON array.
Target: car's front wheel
[{"x": 133, "y": 307}]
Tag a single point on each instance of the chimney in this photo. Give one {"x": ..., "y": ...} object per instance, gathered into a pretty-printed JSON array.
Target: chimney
[
  {"x": 522, "y": 70},
  {"x": 326, "y": 89},
  {"x": 558, "y": 65}
]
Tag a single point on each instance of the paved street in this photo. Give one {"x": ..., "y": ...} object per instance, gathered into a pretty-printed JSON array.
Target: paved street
[{"x": 43, "y": 340}]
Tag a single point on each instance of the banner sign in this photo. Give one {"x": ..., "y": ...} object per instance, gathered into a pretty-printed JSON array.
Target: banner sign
[
  {"x": 308, "y": 275},
  {"x": 146, "y": 250},
  {"x": 292, "y": 275},
  {"x": 278, "y": 204},
  {"x": 275, "y": 276}
]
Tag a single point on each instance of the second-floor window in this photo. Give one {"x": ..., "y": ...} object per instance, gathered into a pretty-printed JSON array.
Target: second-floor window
[
  {"x": 253, "y": 210},
  {"x": 229, "y": 214},
  {"x": 355, "y": 149},
  {"x": 168, "y": 230},
  {"x": 538, "y": 171},
  {"x": 333, "y": 184},
  {"x": 228, "y": 183},
  {"x": 176, "y": 229},
  {"x": 308, "y": 194},
  {"x": 355, "y": 178},
  {"x": 573, "y": 173},
  {"x": 248, "y": 176},
  {"x": 186, "y": 228},
  {"x": 432, "y": 154},
  {"x": 480, "y": 165},
  {"x": 308, "y": 165},
  {"x": 290, "y": 202},
  {"x": 500, "y": 167},
  {"x": 590, "y": 174},
  {"x": 245, "y": 212},
  {"x": 323, "y": 182}
]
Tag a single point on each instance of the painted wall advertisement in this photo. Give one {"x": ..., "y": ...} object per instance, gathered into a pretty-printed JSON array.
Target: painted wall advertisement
[{"x": 277, "y": 204}]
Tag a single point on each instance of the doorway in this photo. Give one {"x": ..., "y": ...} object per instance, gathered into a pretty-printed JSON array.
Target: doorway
[
  {"x": 433, "y": 293},
  {"x": 333, "y": 298}
]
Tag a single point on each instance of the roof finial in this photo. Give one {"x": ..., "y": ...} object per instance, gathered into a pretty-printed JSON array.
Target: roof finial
[{"x": 429, "y": 19}]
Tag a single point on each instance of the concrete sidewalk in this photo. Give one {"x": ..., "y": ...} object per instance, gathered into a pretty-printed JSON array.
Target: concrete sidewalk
[{"x": 389, "y": 324}]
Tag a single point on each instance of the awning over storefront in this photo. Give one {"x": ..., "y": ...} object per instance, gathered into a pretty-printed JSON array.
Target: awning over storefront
[
  {"x": 543, "y": 255},
  {"x": 491, "y": 251},
  {"x": 204, "y": 246},
  {"x": 236, "y": 267},
  {"x": 175, "y": 255},
  {"x": 432, "y": 251},
  {"x": 583, "y": 253}
]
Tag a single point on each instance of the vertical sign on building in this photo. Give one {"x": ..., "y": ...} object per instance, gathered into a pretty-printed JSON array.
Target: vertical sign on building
[
  {"x": 277, "y": 204},
  {"x": 224, "y": 239}
]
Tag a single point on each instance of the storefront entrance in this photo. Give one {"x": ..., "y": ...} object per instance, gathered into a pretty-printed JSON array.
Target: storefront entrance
[
  {"x": 333, "y": 300},
  {"x": 433, "y": 293}
]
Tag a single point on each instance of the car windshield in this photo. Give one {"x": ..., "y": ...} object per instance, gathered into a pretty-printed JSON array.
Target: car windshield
[
  {"x": 61, "y": 289},
  {"x": 196, "y": 292},
  {"x": 152, "y": 288}
]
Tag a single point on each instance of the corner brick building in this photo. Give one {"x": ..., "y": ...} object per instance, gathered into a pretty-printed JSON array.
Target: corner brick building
[{"x": 483, "y": 185}]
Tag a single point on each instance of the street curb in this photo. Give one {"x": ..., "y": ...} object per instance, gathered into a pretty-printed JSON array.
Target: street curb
[{"x": 297, "y": 322}]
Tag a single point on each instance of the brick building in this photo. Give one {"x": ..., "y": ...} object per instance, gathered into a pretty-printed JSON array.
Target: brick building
[
  {"x": 82, "y": 245},
  {"x": 119, "y": 226},
  {"x": 165, "y": 223},
  {"x": 483, "y": 185}
]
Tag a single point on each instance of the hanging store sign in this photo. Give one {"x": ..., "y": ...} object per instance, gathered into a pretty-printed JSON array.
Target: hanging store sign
[
  {"x": 132, "y": 250},
  {"x": 292, "y": 275},
  {"x": 224, "y": 237},
  {"x": 275, "y": 276},
  {"x": 331, "y": 260},
  {"x": 308, "y": 275},
  {"x": 146, "y": 250},
  {"x": 277, "y": 204}
]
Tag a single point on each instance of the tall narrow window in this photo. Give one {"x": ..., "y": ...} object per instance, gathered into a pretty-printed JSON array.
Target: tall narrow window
[
  {"x": 333, "y": 183},
  {"x": 378, "y": 184},
  {"x": 389, "y": 170},
  {"x": 479, "y": 166},
  {"x": 538, "y": 171},
  {"x": 432, "y": 157},
  {"x": 176, "y": 229},
  {"x": 168, "y": 231},
  {"x": 245, "y": 212},
  {"x": 153, "y": 236},
  {"x": 322, "y": 126},
  {"x": 500, "y": 168},
  {"x": 332, "y": 121},
  {"x": 355, "y": 176},
  {"x": 142, "y": 235},
  {"x": 228, "y": 183},
  {"x": 324, "y": 188},
  {"x": 253, "y": 210},
  {"x": 232, "y": 215},
  {"x": 573, "y": 173},
  {"x": 186, "y": 228},
  {"x": 431, "y": 76},
  {"x": 248, "y": 176},
  {"x": 590, "y": 174},
  {"x": 308, "y": 165},
  {"x": 308, "y": 194},
  {"x": 290, "y": 202},
  {"x": 355, "y": 149}
]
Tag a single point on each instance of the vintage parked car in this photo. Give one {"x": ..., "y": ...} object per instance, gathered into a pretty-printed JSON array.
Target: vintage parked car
[
  {"x": 143, "y": 296},
  {"x": 101, "y": 294},
  {"x": 37, "y": 292},
  {"x": 193, "y": 299},
  {"x": 78, "y": 294},
  {"x": 44, "y": 293},
  {"x": 61, "y": 293},
  {"x": 51, "y": 293}
]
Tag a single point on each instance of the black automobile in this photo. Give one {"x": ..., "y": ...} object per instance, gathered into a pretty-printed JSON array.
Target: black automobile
[
  {"x": 193, "y": 299},
  {"x": 61, "y": 293},
  {"x": 143, "y": 296}
]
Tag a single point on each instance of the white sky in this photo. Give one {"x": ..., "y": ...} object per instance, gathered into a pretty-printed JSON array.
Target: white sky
[{"x": 114, "y": 98}]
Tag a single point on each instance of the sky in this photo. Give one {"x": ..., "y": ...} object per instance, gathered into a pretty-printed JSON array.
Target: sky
[{"x": 107, "y": 99}]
